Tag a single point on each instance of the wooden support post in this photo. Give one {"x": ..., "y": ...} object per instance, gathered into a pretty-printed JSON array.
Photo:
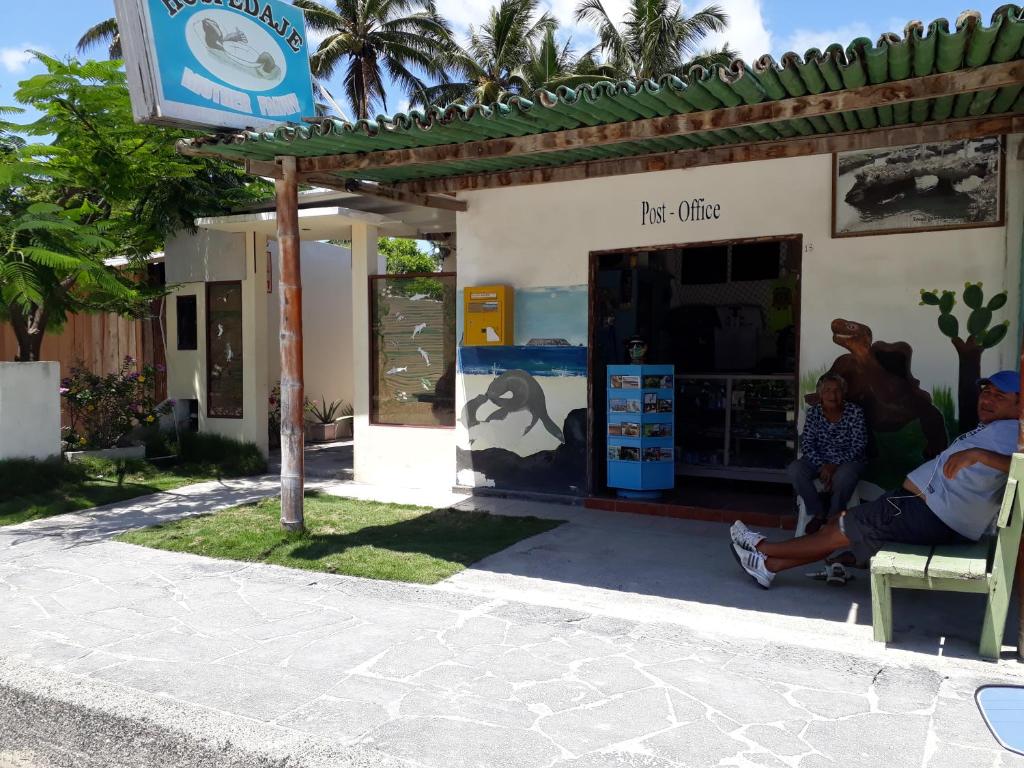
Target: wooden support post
[
  {"x": 1019, "y": 573},
  {"x": 292, "y": 389}
]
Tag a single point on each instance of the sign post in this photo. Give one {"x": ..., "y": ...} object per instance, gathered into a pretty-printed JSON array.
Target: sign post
[
  {"x": 292, "y": 386},
  {"x": 235, "y": 65},
  {"x": 221, "y": 64}
]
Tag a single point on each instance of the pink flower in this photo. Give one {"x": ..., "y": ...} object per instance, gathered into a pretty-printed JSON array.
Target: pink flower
[
  {"x": 64, "y": 390},
  {"x": 161, "y": 367}
]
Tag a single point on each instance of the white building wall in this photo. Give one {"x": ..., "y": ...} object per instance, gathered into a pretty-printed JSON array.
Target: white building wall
[
  {"x": 215, "y": 257},
  {"x": 541, "y": 235},
  {"x": 410, "y": 457},
  {"x": 326, "y": 321}
]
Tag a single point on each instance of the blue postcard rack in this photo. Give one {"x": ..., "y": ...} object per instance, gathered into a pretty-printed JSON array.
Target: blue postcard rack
[{"x": 641, "y": 429}]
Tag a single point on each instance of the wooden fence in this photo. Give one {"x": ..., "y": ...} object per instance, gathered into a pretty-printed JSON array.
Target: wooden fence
[{"x": 100, "y": 344}]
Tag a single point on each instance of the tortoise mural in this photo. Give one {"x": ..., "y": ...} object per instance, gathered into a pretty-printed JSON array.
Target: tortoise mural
[{"x": 879, "y": 379}]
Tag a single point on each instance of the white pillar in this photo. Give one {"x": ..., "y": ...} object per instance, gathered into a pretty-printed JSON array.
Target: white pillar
[
  {"x": 254, "y": 341},
  {"x": 365, "y": 262}
]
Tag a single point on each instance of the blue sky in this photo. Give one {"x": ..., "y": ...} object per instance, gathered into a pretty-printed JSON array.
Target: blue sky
[{"x": 757, "y": 26}]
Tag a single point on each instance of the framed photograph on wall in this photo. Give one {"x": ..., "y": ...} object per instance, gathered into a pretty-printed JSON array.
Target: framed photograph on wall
[{"x": 919, "y": 188}]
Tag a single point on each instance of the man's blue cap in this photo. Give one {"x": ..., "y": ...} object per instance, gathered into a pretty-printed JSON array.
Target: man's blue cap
[{"x": 1007, "y": 381}]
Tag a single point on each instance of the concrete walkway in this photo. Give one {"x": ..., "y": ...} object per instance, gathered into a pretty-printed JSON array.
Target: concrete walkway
[{"x": 612, "y": 641}]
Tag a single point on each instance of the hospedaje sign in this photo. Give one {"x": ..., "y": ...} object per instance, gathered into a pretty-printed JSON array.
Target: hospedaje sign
[{"x": 221, "y": 64}]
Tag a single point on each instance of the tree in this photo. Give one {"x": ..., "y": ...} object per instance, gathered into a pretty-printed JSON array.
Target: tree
[
  {"x": 105, "y": 33},
  {"x": 514, "y": 51},
  {"x": 368, "y": 38},
  {"x": 656, "y": 37},
  {"x": 981, "y": 335},
  {"x": 103, "y": 187},
  {"x": 404, "y": 257}
]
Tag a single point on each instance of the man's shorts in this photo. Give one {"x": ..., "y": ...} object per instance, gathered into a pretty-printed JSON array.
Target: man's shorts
[{"x": 897, "y": 517}]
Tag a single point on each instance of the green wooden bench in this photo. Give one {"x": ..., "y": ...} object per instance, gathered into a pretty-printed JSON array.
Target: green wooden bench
[{"x": 985, "y": 567}]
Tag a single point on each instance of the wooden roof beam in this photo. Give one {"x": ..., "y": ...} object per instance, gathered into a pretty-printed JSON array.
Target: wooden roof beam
[
  {"x": 272, "y": 170},
  {"x": 814, "y": 105},
  {"x": 733, "y": 153}
]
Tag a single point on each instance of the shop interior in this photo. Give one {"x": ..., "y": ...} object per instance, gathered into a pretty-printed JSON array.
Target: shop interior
[{"x": 726, "y": 315}]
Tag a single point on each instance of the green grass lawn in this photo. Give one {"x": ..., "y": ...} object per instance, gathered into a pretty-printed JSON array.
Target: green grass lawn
[
  {"x": 357, "y": 538},
  {"x": 45, "y": 489},
  {"x": 30, "y": 490}
]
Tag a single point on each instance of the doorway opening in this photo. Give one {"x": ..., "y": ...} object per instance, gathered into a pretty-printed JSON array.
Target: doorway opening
[{"x": 727, "y": 316}]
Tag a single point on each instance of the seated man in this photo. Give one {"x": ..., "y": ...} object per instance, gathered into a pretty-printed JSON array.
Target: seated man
[{"x": 952, "y": 499}]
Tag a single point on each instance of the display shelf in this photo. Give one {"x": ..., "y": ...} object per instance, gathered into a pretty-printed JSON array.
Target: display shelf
[
  {"x": 753, "y": 437},
  {"x": 641, "y": 428}
]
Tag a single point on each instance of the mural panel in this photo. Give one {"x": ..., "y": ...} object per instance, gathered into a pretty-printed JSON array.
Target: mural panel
[{"x": 525, "y": 405}]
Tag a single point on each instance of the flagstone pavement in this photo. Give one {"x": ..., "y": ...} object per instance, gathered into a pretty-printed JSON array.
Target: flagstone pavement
[{"x": 112, "y": 654}]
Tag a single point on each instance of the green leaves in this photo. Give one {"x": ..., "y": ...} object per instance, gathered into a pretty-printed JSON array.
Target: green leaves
[
  {"x": 946, "y": 302},
  {"x": 998, "y": 301},
  {"x": 100, "y": 187},
  {"x": 974, "y": 297},
  {"x": 995, "y": 335},
  {"x": 978, "y": 321},
  {"x": 949, "y": 326}
]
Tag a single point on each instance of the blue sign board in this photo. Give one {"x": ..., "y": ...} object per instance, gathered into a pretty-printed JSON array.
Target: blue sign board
[{"x": 216, "y": 63}]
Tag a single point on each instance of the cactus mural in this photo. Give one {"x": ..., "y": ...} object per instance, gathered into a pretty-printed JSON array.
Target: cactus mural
[{"x": 981, "y": 335}]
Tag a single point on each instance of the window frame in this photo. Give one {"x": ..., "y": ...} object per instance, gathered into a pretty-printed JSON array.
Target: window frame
[
  {"x": 371, "y": 349},
  {"x": 179, "y": 300}
]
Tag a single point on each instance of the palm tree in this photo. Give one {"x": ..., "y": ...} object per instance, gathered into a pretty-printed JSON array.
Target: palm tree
[
  {"x": 513, "y": 52},
  {"x": 369, "y": 38},
  {"x": 656, "y": 38},
  {"x": 105, "y": 33}
]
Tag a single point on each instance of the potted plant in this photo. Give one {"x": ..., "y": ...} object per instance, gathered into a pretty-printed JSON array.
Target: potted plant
[{"x": 324, "y": 419}]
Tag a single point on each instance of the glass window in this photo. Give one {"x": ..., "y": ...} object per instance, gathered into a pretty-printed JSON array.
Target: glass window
[
  {"x": 224, "y": 350},
  {"x": 188, "y": 324},
  {"x": 412, "y": 350}
]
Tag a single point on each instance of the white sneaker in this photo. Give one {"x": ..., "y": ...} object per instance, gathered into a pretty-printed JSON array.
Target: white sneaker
[
  {"x": 743, "y": 537},
  {"x": 753, "y": 563}
]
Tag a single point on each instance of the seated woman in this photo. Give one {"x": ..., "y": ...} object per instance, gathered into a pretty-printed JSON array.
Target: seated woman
[{"x": 833, "y": 446}]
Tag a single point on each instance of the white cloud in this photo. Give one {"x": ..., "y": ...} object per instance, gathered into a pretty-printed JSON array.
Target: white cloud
[
  {"x": 747, "y": 32},
  {"x": 17, "y": 59},
  {"x": 801, "y": 40}
]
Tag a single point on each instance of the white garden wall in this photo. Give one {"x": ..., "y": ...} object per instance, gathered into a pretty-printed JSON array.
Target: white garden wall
[{"x": 29, "y": 410}]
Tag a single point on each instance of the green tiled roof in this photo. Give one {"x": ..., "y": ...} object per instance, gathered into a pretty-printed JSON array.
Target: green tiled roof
[{"x": 921, "y": 50}]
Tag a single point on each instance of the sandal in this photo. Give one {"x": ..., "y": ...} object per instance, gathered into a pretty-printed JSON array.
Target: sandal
[{"x": 834, "y": 574}]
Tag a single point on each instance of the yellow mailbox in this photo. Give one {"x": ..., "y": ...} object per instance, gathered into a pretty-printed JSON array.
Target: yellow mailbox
[{"x": 488, "y": 316}]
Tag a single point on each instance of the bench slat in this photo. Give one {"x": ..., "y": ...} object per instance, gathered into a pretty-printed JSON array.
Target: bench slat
[
  {"x": 960, "y": 562},
  {"x": 902, "y": 560}
]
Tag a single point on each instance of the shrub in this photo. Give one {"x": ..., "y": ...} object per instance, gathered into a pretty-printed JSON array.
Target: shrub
[
  {"x": 102, "y": 410},
  {"x": 22, "y": 477},
  {"x": 232, "y": 458}
]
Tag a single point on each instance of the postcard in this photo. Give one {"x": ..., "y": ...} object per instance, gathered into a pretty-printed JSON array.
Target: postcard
[
  {"x": 629, "y": 453},
  {"x": 630, "y": 429},
  {"x": 615, "y": 430},
  {"x": 664, "y": 406}
]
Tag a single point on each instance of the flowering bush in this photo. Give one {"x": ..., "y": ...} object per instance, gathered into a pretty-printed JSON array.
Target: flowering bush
[
  {"x": 274, "y": 415},
  {"x": 102, "y": 410}
]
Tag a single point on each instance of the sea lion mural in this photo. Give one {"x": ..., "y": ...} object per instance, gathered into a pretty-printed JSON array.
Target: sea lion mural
[
  {"x": 879, "y": 379},
  {"x": 511, "y": 392}
]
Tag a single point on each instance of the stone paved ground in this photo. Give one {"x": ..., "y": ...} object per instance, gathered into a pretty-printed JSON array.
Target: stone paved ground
[{"x": 117, "y": 643}]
